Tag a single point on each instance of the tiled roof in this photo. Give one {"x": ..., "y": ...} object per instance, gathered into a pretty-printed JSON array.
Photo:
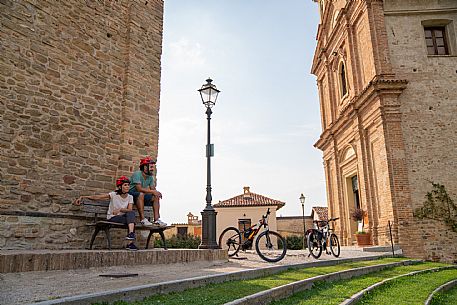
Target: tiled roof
[
  {"x": 322, "y": 212},
  {"x": 249, "y": 199}
]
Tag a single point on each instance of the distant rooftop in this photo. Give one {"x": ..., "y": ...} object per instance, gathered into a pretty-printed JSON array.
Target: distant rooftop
[
  {"x": 322, "y": 212},
  {"x": 249, "y": 199}
]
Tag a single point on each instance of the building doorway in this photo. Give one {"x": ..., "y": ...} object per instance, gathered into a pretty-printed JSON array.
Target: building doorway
[
  {"x": 352, "y": 203},
  {"x": 355, "y": 191},
  {"x": 243, "y": 224}
]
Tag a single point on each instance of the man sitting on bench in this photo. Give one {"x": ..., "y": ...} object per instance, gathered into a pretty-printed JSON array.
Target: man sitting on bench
[
  {"x": 144, "y": 193},
  {"x": 120, "y": 208}
]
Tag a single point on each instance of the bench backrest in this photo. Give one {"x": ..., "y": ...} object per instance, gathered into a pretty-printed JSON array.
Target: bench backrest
[{"x": 100, "y": 207}]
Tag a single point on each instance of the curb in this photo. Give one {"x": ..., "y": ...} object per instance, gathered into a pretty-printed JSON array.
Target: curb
[
  {"x": 442, "y": 288},
  {"x": 137, "y": 293},
  {"x": 356, "y": 297},
  {"x": 280, "y": 292}
]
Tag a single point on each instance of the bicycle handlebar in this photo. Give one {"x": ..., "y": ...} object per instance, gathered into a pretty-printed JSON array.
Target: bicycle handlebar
[{"x": 331, "y": 219}]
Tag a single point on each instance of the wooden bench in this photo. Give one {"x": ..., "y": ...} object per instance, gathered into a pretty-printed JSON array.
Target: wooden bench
[{"x": 100, "y": 207}]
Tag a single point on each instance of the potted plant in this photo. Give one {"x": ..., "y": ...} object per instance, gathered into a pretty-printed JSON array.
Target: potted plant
[{"x": 363, "y": 238}]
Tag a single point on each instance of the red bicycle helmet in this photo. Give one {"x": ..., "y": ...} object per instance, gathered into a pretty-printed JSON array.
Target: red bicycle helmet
[
  {"x": 121, "y": 180},
  {"x": 147, "y": 160}
]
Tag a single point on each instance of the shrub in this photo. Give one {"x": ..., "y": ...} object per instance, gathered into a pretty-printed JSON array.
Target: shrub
[
  {"x": 357, "y": 215},
  {"x": 295, "y": 242},
  {"x": 180, "y": 242},
  {"x": 439, "y": 206}
]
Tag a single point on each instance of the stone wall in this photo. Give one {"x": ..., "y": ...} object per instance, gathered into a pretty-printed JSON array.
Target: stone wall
[
  {"x": 428, "y": 108},
  {"x": 79, "y": 102},
  {"x": 293, "y": 225}
]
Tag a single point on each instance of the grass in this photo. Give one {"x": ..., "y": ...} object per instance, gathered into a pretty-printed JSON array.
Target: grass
[
  {"x": 445, "y": 297},
  {"x": 228, "y": 291},
  {"x": 409, "y": 290},
  {"x": 336, "y": 292}
]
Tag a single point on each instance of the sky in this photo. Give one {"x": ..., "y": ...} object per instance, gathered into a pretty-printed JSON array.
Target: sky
[{"x": 266, "y": 119}]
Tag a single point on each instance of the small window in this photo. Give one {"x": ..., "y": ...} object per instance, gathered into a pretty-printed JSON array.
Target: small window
[
  {"x": 182, "y": 231},
  {"x": 435, "y": 39},
  {"x": 343, "y": 81}
]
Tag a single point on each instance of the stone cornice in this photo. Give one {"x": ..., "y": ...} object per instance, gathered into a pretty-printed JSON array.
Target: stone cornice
[
  {"x": 378, "y": 86},
  {"x": 423, "y": 11}
]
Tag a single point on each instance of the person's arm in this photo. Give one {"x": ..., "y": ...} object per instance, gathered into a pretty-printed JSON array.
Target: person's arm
[
  {"x": 92, "y": 197},
  {"x": 128, "y": 209},
  {"x": 148, "y": 190},
  {"x": 155, "y": 192}
]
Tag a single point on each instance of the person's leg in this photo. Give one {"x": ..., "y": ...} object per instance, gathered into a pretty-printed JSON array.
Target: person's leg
[
  {"x": 156, "y": 208},
  {"x": 140, "y": 200},
  {"x": 130, "y": 217},
  {"x": 156, "y": 211},
  {"x": 119, "y": 219},
  {"x": 140, "y": 205}
]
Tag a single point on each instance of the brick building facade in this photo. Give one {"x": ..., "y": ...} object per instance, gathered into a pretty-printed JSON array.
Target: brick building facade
[
  {"x": 386, "y": 75},
  {"x": 79, "y": 103}
]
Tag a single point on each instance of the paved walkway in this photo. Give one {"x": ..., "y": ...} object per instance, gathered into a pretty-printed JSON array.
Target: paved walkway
[{"x": 29, "y": 287}]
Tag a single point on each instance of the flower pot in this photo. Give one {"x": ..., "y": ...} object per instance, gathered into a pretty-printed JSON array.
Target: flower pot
[{"x": 363, "y": 239}]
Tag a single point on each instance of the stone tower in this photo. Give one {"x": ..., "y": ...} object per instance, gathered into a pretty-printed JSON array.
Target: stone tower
[
  {"x": 387, "y": 79},
  {"x": 79, "y": 103}
]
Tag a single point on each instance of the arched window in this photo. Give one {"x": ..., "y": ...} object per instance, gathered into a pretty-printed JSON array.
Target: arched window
[{"x": 343, "y": 80}]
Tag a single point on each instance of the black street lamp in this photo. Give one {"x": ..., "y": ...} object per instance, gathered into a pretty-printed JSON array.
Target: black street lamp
[
  {"x": 302, "y": 200},
  {"x": 209, "y": 93}
]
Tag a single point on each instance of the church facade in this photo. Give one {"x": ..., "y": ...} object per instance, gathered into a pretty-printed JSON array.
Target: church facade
[{"x": 386, "y": 76}]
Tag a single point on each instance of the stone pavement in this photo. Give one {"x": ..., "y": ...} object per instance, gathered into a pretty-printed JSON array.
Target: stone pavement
[{"x": 29, "y": 287}]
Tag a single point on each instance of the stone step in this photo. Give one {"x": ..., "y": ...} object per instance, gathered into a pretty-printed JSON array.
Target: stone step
[
  {"x": 45, "y": 260},
  {"x": 138, "y": 293},
  {"x": 397, "y": 249}
]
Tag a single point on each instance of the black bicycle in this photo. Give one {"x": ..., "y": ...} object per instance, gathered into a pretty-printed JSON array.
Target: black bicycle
[
  {"x": 323, "y": 238},
  {"x": 269, "y": 245}
]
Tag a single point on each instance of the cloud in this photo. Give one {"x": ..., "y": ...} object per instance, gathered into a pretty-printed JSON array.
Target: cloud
[{"x": 185, "y": 54}]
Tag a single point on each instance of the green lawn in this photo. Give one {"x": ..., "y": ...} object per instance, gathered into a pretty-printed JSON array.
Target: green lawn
[
  {"x": 229, "y": 291},
  {"x": 336, "y": 292},
  {"x": 445, "y": 298},
  {"x": 410, "y": 290}
]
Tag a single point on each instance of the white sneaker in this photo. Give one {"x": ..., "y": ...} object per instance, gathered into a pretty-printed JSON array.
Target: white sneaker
[
  {"x": 160, "y": 223},
  {"x": 146, "y": 222}
]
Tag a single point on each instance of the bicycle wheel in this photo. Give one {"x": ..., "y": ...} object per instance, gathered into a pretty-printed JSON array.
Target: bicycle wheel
[
  {"x": 271, "y": 246},
  {"x": 334, "y": 245},
  {"x": 230, "y": 239},
  {"x": 314, "y": 245}
]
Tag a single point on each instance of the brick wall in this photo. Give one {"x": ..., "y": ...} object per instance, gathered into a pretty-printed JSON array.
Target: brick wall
[
  {"x": 79, "y": 88},
  {"x": 398, "y": 117},
  {"x": 428, "y": 108}
]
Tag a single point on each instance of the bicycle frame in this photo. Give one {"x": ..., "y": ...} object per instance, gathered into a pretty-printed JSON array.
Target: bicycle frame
[
  {"x": 254, "y": 229},
  {"x": 269, "y": 245},
  {"x": 322, "y": 232}
]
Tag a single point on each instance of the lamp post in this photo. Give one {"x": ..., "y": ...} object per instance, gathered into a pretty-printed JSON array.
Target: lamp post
[
  {"x": 208, "y": 93},
  {"x": 302, "y": 200}
]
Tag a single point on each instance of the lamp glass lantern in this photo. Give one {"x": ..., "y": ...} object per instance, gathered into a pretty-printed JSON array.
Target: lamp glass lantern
[
  {"x": 209, "y": 93},
  {"x": 302, "y": 200}
]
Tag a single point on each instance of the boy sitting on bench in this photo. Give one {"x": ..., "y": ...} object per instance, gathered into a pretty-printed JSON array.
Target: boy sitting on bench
[{"x": 120, "y": 208}]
